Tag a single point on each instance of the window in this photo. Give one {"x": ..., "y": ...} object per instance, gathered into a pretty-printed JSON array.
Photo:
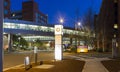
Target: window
[
  {"x": 5, "y": 3},
  {"x": 114, "y": 35},
  {"x": 5, "y": 11},
  {"x": 115, "y": 1},
  {"x": 115, "y": 26}
]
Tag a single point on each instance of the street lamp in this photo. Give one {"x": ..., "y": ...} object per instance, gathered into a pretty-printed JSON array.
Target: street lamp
[
  {"x": 79, "y": 23},
  {"x": 61, "y": 21}
]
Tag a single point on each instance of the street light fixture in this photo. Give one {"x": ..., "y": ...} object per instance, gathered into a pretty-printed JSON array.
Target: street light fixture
[
  {"x": 79, "y": 23},
  {"x": 61, "y": 21}
]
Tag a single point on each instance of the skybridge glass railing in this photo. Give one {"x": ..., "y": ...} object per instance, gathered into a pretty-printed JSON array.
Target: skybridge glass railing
[
  {"x": 31, "y": 38},
  {"x": 39, "y": 28}
]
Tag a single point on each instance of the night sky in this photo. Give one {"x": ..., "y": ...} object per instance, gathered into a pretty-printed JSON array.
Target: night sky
[{"x": 66, "y": 9}]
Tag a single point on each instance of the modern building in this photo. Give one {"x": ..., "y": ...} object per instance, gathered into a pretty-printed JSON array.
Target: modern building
[
  {"x": 6, "y": 8},
  {"x": 16, "y": 15},
  {"x": 107, "y": 25},
  {"x": 30, "y": 12}
]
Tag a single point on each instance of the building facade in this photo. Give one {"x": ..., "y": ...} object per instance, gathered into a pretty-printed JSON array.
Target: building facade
[
  {"x": 30, "y": 12},
  {"x": 16, "y": 15},
  {"x": 107, "y": 25}
]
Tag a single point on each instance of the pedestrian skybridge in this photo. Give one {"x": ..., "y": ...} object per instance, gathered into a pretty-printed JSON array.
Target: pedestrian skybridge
[{"x": 32, "y": 28}]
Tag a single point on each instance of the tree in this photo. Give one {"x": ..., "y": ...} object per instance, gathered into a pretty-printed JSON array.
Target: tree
[
  {"x": 38, "y": 43},
  {"x": 88, "y": 21},
  {"x": 20, "y": 42}
]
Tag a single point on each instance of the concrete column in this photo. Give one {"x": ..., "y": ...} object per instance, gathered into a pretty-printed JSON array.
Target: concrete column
[
  {"x": 114, "y": 48},
  {"x": 103, "y": 45},
  {"x": 1, "y": 35},
  {"x": 98, "y": 44},
  {"x": 10, "y": 42},
  {"x": 76, "y": 41},
  {"x": 71, "y": 40}
]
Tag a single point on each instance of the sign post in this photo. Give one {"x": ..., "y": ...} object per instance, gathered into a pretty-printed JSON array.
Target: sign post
[
  {"x": 1, "y": 35},
  {"x": 58, "y": 42}
]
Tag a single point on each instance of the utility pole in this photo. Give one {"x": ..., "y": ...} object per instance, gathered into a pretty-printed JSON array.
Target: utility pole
[{"x": 1, "y": 35}]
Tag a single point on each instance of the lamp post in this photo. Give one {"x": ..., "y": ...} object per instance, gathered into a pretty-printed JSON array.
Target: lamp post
[
  {"x": 19, "y": 42},
  {"x": 78, "y": 24}
]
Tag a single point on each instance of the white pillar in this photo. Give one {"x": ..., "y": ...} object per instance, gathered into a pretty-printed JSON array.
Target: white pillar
[
  {"x": 1, "y": 35},
  {"x": 58, "y": 42}
]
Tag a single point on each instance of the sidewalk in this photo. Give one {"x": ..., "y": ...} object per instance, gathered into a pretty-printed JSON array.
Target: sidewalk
[
  {"x": 94, "y": 65},
  {"x": 67, "y": 65}
]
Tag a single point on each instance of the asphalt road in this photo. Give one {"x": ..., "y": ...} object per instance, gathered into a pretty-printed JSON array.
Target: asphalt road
[{"x": 13, "y": 59}]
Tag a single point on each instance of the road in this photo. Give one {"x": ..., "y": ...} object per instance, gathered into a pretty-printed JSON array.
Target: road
[{"x": 13, "y": 59}]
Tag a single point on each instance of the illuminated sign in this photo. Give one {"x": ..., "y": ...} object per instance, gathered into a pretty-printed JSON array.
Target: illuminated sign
[
  {"x": 58, "y": 29},
  {"x": 58, "y": 42},
  {"x": 58, "y": 39}
]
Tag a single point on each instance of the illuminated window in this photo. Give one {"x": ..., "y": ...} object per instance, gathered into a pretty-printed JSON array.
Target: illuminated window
[
  {"x": 5, "y": 3},
  {"x": 13, "y": 15},
  {"x": 115, "y": 1},
  {"x": 5, "y": 11},
  {"x": 115, "y": 26},
  {"x": 114, "y": 35}
]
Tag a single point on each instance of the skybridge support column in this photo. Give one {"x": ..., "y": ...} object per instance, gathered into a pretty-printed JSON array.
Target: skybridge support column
[
  {"x": 71, "y": 41},
  {"x": 10, "y": 42},
  {"x": 76, "y": 42},
  {"x": 1, "y": 35}
]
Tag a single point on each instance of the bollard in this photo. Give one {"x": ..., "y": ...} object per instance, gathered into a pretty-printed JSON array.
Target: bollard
[
  {"x": 35, "y": 54},
  {"x": 27, "y": 63}
]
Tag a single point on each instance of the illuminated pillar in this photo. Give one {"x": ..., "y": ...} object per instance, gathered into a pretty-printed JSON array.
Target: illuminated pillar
[
  {"x": 58, "y": 42},
  {"x": 1, "y": 35}
]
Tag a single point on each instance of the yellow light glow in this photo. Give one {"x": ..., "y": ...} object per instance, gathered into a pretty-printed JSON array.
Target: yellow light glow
[
  {"x": 82, "y": 49},
  {"x": 115, "y": 26}
]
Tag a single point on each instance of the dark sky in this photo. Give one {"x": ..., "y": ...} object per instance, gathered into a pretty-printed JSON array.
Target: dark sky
[{"x": 62, "y": 8}]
